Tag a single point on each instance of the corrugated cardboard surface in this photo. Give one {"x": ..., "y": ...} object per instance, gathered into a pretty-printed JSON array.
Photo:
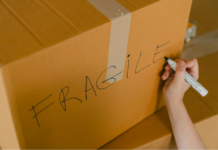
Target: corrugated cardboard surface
[
  {"x": 56, "y": 95},
  {"x": 209, "y": 78},
  {"x": 202, "y": 110},
  {"x": 42, "y": 23},
  {"x": 8, "y": 135},
  {"x": 153, "y": 131},
  {"x": 157, "y": 128}
]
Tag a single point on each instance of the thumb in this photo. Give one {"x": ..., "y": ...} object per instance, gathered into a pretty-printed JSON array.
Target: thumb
[{"x": 180, "y": 73}]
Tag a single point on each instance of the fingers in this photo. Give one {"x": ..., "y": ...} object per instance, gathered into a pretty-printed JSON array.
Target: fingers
[
  {"x": 167, "y": 67},
  {"x": 167, "y": 73},
  {"x": 192, "y": 65},
  {"x": 180, "y": 73}
]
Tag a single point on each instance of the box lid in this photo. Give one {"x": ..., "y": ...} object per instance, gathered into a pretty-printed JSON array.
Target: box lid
[{"x": 30, "y": 26}]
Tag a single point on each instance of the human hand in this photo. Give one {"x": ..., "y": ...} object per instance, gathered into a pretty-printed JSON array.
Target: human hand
[{"x": 175, "y": 85}]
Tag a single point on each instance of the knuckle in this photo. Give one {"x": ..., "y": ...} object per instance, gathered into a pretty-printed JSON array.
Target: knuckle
[
  {"x": 195, "y": 60},
  {"x": 181, "y": 62}
]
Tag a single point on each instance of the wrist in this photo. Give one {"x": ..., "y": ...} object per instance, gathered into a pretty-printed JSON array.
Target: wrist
[
  {"x": 177, "y": 106},
  {"x": 174, "y": 101}
]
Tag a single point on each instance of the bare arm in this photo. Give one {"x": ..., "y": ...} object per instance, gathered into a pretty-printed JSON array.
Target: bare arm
[{"x": 174, "y": 89}]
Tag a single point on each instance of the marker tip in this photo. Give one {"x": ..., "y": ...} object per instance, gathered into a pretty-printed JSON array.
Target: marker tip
[{"x": 166, "y": 58}]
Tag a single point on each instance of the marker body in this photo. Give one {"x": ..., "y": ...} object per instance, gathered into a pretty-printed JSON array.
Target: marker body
[{"x": 195, "y": 84}]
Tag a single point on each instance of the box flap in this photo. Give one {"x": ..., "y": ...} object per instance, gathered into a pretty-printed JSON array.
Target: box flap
[
  {"x": 133, "y": 5},
  {"x": 30, "y": 26},
  {"x": 8, "y": 135}
]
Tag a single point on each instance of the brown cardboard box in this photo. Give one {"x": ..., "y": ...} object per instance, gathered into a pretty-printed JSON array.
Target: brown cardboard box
[
  {"x": 205, "y": 14},
  {"x": 209, "y": 78},
  {"x": 155, "y": 131},
  {"x": 76, "y": 74}
]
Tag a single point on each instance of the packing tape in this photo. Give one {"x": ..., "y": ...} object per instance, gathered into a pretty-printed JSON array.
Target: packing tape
[{"x": 119, "y": 34}]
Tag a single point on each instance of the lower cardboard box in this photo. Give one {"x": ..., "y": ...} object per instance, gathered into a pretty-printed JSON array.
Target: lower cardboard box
[{"x": 155, "y": 131}]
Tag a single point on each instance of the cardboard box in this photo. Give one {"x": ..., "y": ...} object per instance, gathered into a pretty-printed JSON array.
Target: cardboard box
[
  {"x": 155, "y": 131},
  {"x": 76, "y": 74},
  {"x": 205, "y": 15}
]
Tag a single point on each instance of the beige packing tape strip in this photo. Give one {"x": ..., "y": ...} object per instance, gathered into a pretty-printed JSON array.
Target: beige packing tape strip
[{"x": 119, "y": 34}]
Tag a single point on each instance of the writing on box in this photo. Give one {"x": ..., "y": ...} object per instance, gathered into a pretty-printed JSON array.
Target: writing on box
[{"x": 63, "y": 95}]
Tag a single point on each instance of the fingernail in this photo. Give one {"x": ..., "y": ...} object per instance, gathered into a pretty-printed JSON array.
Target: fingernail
[{"x": 182, "y": 63}]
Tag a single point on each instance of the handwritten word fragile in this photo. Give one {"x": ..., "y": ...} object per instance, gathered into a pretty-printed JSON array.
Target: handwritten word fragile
[{"x": 63, "y": 95}]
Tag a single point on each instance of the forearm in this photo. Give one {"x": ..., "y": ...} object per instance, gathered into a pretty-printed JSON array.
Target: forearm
[{"x": 184, "y": 131}]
